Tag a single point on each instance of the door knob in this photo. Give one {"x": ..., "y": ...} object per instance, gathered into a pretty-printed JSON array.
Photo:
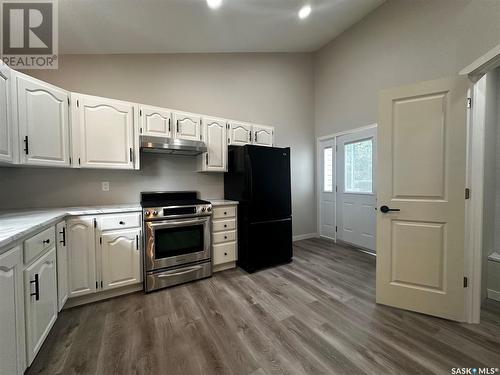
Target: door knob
[{"x": 386, "y": 209}]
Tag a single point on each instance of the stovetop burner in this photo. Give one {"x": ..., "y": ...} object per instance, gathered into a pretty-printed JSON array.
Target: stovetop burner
[{"x": 170, "y": 198}]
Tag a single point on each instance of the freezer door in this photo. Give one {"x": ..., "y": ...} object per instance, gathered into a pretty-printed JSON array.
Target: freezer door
[{"x": 267, "y": 244}]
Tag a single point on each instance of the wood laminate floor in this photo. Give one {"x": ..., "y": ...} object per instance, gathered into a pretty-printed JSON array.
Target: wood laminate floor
[{"x": 316, "y": 315}]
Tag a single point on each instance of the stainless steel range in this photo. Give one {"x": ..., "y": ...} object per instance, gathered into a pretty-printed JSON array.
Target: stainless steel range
[{"x": 177, "y": 238}]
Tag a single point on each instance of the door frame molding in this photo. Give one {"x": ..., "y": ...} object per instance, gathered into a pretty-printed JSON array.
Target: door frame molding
[
  {"x": 476, "y": 126},
  {"x": 332, "y": 137}
]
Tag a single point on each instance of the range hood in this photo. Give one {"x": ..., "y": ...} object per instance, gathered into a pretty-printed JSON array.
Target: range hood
[{"x": 172, "y": 146}]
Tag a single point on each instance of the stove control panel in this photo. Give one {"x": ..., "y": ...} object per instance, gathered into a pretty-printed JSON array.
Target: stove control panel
[{"x": 154, "y": 213}]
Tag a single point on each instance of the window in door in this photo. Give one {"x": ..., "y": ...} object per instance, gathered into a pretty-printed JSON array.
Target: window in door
[
  {"x": 358, "y": 160},
  {"x": 327, "y": 170}
]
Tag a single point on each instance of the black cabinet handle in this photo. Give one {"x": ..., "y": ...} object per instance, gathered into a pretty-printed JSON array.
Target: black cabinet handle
[
  {"x": 386, "y": 209},
  {"x": 37, "y": 287},
  {"x": 122, "y": 223},
  {"x": 46, "y": 241},
  {"x": 63, "y": 232},
  {"x": 225, "y": 225},
  {"x": 26, "y": 149}
]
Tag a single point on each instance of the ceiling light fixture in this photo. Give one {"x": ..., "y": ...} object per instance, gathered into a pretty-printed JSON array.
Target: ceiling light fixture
[
  {"x": 304, "y": 12},
  {"x": 214, "y": 4}
]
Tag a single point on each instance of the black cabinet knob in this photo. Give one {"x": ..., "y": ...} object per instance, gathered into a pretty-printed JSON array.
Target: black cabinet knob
[
  {"x": 225, "y": 253},
  {"x": 122, "y": 223},
  {"x": 46, "y": 241}
]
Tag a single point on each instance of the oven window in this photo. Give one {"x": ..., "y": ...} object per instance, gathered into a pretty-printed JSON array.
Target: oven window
[{"x": 171, "y": 242}]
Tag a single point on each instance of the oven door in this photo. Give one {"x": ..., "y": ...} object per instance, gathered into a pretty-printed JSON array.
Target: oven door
[{"x": 177, "y": 241}]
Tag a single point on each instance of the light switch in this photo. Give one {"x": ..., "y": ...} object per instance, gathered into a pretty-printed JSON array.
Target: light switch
[{"x": 105, "y": 186}]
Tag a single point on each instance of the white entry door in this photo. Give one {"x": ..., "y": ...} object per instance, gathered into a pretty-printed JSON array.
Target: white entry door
[
  {"x": 356, "y": 188},
  {"x": 421, "y": 216},
  {"x": 327, "y": 188}
]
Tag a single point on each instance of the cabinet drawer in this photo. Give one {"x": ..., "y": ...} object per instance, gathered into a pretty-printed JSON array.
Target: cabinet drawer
[
  {"x": 121, "y": 221},
  {"x": 224, "y": 237},
  {"x": 35, "y": 245},
  {"x": 220, "y": 225},
  {"x": 225, "y": 211},
  {"x": 225, "y": 252}
]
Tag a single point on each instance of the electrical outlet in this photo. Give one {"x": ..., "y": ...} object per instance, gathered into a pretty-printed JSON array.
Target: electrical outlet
[{"x": 105, "y": 186}]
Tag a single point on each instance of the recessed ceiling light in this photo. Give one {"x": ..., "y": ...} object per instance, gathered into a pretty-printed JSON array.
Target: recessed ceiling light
[
  {"x": 304, "y": 12},
  {"x": 214, "y": 4}
]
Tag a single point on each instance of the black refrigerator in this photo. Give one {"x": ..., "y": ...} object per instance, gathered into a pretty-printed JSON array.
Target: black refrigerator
[{"x": 259, "y": 179}]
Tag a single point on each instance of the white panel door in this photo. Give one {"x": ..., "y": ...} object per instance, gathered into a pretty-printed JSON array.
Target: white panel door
[
  {"x": 7, "y": 137},
  {"x": 121, "y": 258},
  {"x": 240, "y": 133},
  {"x": 326, "y": 153},
  {"x": 263, "y": 135},
  {"x": 42, "y": 112},
  {"x": 81, "y": 256},
  {"x": 62, "y": 264},
  {"x": 105, "y": 129},
  {"x": 155, "y": 121},
  {"x": 187, "y": 126},
  {"x": 12, "y": 339},
  {"x": 40, "y": 289},
  {"x": 356, "y": 188},
  {"x": 215, "y": 160},
  {"x": 421, "y": 169}
]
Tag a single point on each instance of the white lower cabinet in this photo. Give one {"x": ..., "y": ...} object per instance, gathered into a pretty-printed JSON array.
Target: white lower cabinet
[
  {"x": 224, "y": 237},
  {"x": 62, "y": 264},
  {"x": 120, "y": 258},
  {"x": 81, "y": 256},
  {"x": 12, "y": 337},
  {"x": 40, "y": 289}
]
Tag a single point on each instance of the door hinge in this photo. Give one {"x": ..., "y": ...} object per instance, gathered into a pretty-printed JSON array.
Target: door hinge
[
  {"x": 100, "y": 240},
  {"x": 95, "y": 223},
  {"x": 77, "y": 103},
  {"x": 131, "y": 155},
  {"x": 336, "y": 228},
  {"x": 26, "y": 145},
  {"x": 206, "y": 158},
  {"x": 96, "y": 285},
  {"x": 466, "y": 282},
  {"x": 70, "y": 161},
  {"x": 140, "y": 130},
  {"x": 336, "y": 188},
  {"x": 68, "y": 100},
  {"x": 469, "y": 102},
  {"x": 201, "y": 137},
  {"x": 79, "y": 161},
  {"x": 101, "y": 284},
  {"x": 169, "y": 125},
  {"x": 467, "y": 193},
  {"x": 140, "y": 112}
]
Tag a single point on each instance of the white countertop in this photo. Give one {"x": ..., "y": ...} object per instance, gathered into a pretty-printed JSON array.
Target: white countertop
[{"x": 16, "y": 225}]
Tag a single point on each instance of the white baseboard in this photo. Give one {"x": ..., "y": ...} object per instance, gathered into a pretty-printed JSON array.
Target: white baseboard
[
  {"x": 493, "y": 294},
  {"x": 94, "y": 297},
  {"x": 304, "y": 236}
]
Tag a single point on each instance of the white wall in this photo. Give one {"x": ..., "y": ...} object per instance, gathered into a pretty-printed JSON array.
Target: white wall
[
  {"x": 401, "y": 42},
  {"x": 274, "y": 89}
]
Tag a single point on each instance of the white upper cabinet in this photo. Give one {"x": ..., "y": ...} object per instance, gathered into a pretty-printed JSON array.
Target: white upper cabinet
[
  {"x": 121, "y": 258},
  {"x": 8, "y": 135},
  {"x": 263, "y": 135},
  {"x": 240, "y": 133},
  {"x": 155, "y": 121},
  {"x": 215, "y": 159},
  {"x": 81, "y": 256},
  {"x": 105, "y": 132},
  {"x": 187, "y": 126},
  {"x": 43, "y": 120},
  {"x": 12, "y": 339},
  {"x": 40, "y": 289}
]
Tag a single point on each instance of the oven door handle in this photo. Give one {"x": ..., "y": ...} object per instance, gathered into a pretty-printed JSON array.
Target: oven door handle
[
  {"x": 174, "y": 273},
  {"x": 177, "y": 223}
]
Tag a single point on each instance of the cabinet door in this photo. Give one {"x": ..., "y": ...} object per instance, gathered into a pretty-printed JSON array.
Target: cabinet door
[
  {"x": 40, "y": 289},
  {"x": 120, "y": 257},
  {"x": 187, "y": 126},
  {"x": 240, "y": 133},
  {"x": 263, "y": 135},
  {"x": 42, "y": 112},
  {"x": 105, "y": 132},
  {"x": 216, "y": 139},
  {"x": 81, "y": 256},
  {"x": 6, "y": 124},
  {"x": 155, "y": 121},
  {"x": 62, "y": 264},
  {"x": 12, "y": 339}
]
